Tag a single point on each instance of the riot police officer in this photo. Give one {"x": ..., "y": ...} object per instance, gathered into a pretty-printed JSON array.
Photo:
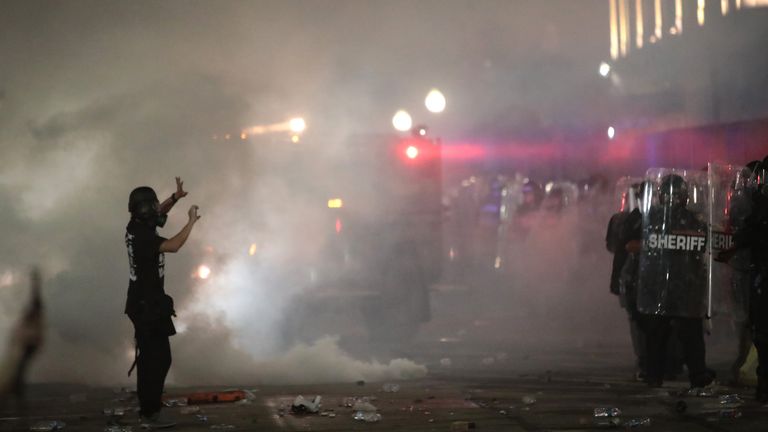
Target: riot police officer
[
  {"x": 672, "y": 284},
  {"x": 754, "y": 237}
]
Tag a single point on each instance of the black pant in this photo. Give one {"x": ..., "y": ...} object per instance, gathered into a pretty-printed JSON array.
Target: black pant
[
  {"x": 152, "y": 367},
  {"x": 690, "y": 333}
]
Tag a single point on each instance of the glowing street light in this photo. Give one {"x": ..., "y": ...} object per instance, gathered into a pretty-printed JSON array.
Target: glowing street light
[
  {"x": 297, "y": 125},
  {"x": 402, "y": 121},
  {"x": 203, "y": 272},
  {"x": 611, "y": 132},
  {"x": 435, "y": 101},
  {"x": 604, "y": 69}
]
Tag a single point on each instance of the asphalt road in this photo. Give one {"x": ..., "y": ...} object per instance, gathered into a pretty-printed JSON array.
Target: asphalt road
[{"x": 507, "y": 394}]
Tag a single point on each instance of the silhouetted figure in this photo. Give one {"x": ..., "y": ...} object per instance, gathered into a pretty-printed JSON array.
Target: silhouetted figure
[{"x": 148, "y": 306}]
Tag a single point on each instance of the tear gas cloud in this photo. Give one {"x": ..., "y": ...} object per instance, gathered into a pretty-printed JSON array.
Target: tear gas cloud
[{"x": 101, "y": 97}]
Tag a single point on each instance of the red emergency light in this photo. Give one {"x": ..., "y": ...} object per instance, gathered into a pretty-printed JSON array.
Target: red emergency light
[{"x": 338, "y": 225}]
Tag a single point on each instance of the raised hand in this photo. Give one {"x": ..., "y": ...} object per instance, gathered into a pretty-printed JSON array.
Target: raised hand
[
  {"x": 180, "y": 192},
  {"x": 193, "y": 216}
]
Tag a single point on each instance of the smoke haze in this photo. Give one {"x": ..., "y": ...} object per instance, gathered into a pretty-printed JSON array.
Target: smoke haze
[{"x": 100, "y": 97}]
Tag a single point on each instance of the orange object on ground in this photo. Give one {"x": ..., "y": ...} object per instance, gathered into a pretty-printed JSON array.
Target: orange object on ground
[{"x": 216, "y": 397}]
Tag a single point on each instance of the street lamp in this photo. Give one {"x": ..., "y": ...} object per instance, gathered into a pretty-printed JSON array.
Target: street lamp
[
  {"x": 604, "y": 69},
  {"x": 435, "y": 101},
  {"x": 297, "y": 125},
  {"x": 402, "y": 121}
]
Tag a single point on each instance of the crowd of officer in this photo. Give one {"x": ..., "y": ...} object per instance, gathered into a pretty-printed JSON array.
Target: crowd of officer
[
  {"x": 687, "y": 245},
  {"x": 663, "y": 267}
]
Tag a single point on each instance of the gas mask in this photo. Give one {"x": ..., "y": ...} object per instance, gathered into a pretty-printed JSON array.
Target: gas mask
[
  {"x": 144, "y": 206},
  {"x": 161, "y": 219}
]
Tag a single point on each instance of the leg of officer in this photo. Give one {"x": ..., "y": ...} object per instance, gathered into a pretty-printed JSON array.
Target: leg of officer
[
  {"x": 657, "y": 334},
  {"x": 691, "y": 332}
]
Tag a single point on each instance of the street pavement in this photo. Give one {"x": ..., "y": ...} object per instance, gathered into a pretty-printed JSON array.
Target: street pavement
[
  {"x": 486, "y": 371},
  {"x": 487, "y": 391}
]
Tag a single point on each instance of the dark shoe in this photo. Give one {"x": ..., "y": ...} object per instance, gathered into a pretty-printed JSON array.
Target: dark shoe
[
  {"x": 155, "y": 421},
  {"x": 703, "y": 379}
]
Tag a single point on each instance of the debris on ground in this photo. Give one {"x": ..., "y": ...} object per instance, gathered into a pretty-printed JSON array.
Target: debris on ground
[
  {"x": 117, "y": 428},
  {"x": 528, "y": 399},
  {"x": 218, "y": 397},
  {"x": 114, "y": 412},
  {"x": 390, "y": 388},
  {"x": 607, "y": 412},
  {"x": 190, "y": 410},
  {"x": 303, "y": 406},
  {"x": 731, "y": 399},
  {"x": 644, "y": 421},
  {"x": 607, "y": 421},
  {"x": 178, "y": 402},
  {"x": 364, "y": 405},
  {"x": 730, "y": 413},
  {"x": 700, "y": 392},
  {"x": 222, "y": 426},
  {"x": 365, "y": 411},
  {"x": 445, "y": 362},
  {"x": 48, "y": 425},
  {"x": 368, "y": 417}
]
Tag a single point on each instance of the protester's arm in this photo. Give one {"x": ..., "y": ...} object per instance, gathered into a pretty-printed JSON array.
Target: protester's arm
[
  {"x": 175, "y": 243},
  {"x": 180, "y": 193}
]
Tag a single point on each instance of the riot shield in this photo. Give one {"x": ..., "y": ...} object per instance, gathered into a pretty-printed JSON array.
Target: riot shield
[
  {"x": 673, "y": 263},
  {"x": 729, "y": 205}
]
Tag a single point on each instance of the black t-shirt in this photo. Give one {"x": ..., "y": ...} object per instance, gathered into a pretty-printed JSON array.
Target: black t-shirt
[{"x": 147, "y": 270}]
